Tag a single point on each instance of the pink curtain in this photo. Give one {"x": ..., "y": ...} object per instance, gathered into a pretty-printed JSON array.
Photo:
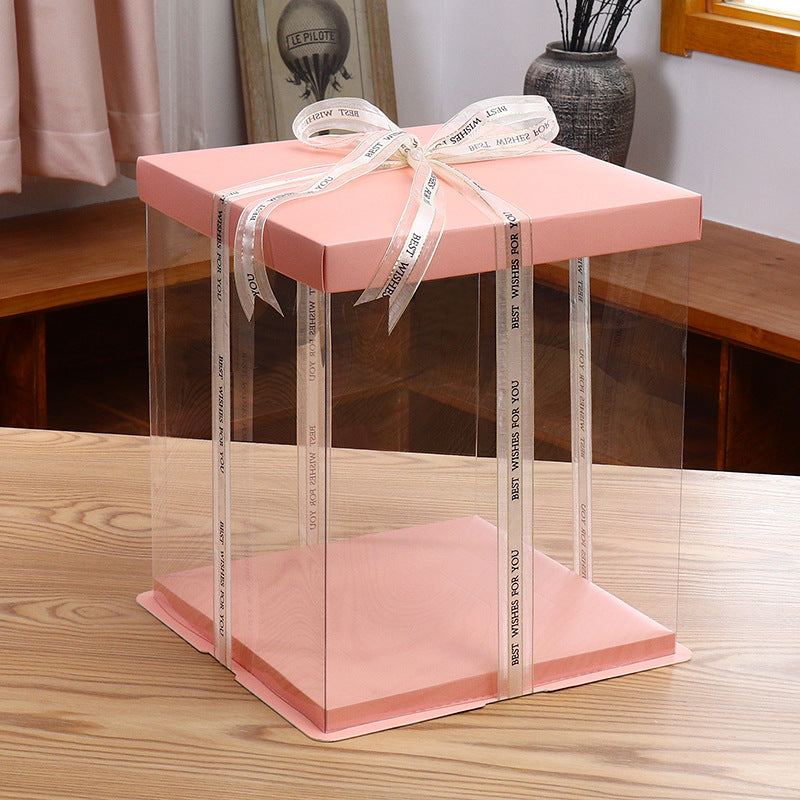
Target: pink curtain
[{"x": 78, "y": 88}]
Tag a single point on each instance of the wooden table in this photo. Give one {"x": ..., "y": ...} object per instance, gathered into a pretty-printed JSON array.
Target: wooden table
[{"x": 99, "y": 700}]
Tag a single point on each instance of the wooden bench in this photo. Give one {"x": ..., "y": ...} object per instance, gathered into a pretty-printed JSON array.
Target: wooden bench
[
  {"x": 53, "y": 261},
  {"x": 744, "y": 303},
  {"x": 744, "y": 320},
  {"x": 743, "y": 366}
]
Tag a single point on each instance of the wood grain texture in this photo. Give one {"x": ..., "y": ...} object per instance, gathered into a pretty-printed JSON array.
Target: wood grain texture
[
  {"x": 68, "y": 257},
  {"x": 673, "y": 24},
  {"x": 23, "y": 396},
  {"x": 381, "y": 58},
  {"x": 100, "y": 701},
  {"x": 254, "y": 66},
  {"x": 761, "y": 435},
  {"x": 723, "y": 417},
  {"x": 730, "y": 30},
  {"x": 743, "y": 287},
  {"x": 701, "y": 419},
  {"x": 754, "y": 14},
  {"x": 746, "y": 40}
]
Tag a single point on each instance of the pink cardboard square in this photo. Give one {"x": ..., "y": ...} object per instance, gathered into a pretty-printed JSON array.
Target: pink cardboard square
[
  {"x": 580, "y": 206},
  {"x": 410, "y": 627}
]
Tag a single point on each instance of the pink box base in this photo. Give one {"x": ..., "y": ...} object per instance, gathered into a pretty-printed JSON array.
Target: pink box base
[{"x": 411, "y": 627}]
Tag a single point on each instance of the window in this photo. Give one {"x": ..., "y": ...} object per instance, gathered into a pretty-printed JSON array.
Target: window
[
  {"x": 762, "y": 31},
  {"x": 788, "y": 8}
]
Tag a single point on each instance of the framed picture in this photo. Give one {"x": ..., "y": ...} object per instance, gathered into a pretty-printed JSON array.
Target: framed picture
[{"x": 294, "y": 52}]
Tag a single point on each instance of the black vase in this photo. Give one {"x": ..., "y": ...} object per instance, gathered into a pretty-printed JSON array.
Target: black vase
[{"x": 593, "y": 96}]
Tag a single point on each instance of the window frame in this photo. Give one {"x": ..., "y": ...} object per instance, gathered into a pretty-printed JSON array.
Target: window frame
[{"x": 723, "y": 29}]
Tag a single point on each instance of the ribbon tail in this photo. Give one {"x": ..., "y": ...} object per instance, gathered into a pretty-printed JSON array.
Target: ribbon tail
[
  {"x": 252, "y": 285},
  {"x": 412, "y": 246},
  {"x": 515, "y": 431},
  {"x": 252, "y": 234},
  {"x": 400, "y": 301},
  {"x": 220, "y": 425},
  {"x": 250, "y": 273},
  {"x": 256, "y": 283}
]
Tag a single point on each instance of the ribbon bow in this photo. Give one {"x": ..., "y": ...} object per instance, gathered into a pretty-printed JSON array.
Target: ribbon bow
[{"x": 501, "y": 127}]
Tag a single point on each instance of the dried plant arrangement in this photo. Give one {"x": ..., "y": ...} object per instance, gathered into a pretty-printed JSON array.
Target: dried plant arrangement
[{"x": 592, "y": 26}]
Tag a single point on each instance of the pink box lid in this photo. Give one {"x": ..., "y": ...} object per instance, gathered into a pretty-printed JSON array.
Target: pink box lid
[{"x": 580, "y": 207}]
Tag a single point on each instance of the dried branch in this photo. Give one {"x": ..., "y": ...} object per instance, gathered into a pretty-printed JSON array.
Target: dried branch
[{"x": 593, "y": 25}]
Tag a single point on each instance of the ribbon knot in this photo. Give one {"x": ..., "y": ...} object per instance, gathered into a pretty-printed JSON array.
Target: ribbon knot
[
  {"x": 502, "y": 127},
  {"x": 415, "y": 155}
]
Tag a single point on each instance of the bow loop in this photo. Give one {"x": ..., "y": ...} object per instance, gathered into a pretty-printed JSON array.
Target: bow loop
[
  {"x": 502, "y": 127},
  {"x": 340, "y": 124}
]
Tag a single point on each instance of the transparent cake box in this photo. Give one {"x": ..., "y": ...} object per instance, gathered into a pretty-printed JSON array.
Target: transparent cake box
[{"x": 411, "y": 530}]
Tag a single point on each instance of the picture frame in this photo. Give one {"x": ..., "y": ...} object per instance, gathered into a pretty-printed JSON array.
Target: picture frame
[{"x": 293, "y": 52}]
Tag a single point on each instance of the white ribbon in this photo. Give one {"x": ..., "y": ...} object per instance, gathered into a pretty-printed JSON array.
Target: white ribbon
[
  {"x": 580, "y": 379},
  {"x": 503, "y": 127}
]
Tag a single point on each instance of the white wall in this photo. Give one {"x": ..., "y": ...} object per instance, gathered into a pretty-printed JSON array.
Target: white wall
[
  {"x": 724, "y": 128},
  {"x": 451, "y": 53}
]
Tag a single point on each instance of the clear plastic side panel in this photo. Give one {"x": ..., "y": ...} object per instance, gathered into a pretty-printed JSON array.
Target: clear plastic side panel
[
  {"x": 365, "y": 578},
  {"x": 277, "y": 549},
  {"x": 180, "y": 402},
  {"x": 609, "y": 364},
  {"x": 639, "y": 367},
  {"x": 411, "y": 621},
  {"x": 273, "y": 572}
]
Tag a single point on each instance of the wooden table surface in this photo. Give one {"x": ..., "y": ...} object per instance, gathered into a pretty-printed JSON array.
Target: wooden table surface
[{"x": 98, "y": 700}]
